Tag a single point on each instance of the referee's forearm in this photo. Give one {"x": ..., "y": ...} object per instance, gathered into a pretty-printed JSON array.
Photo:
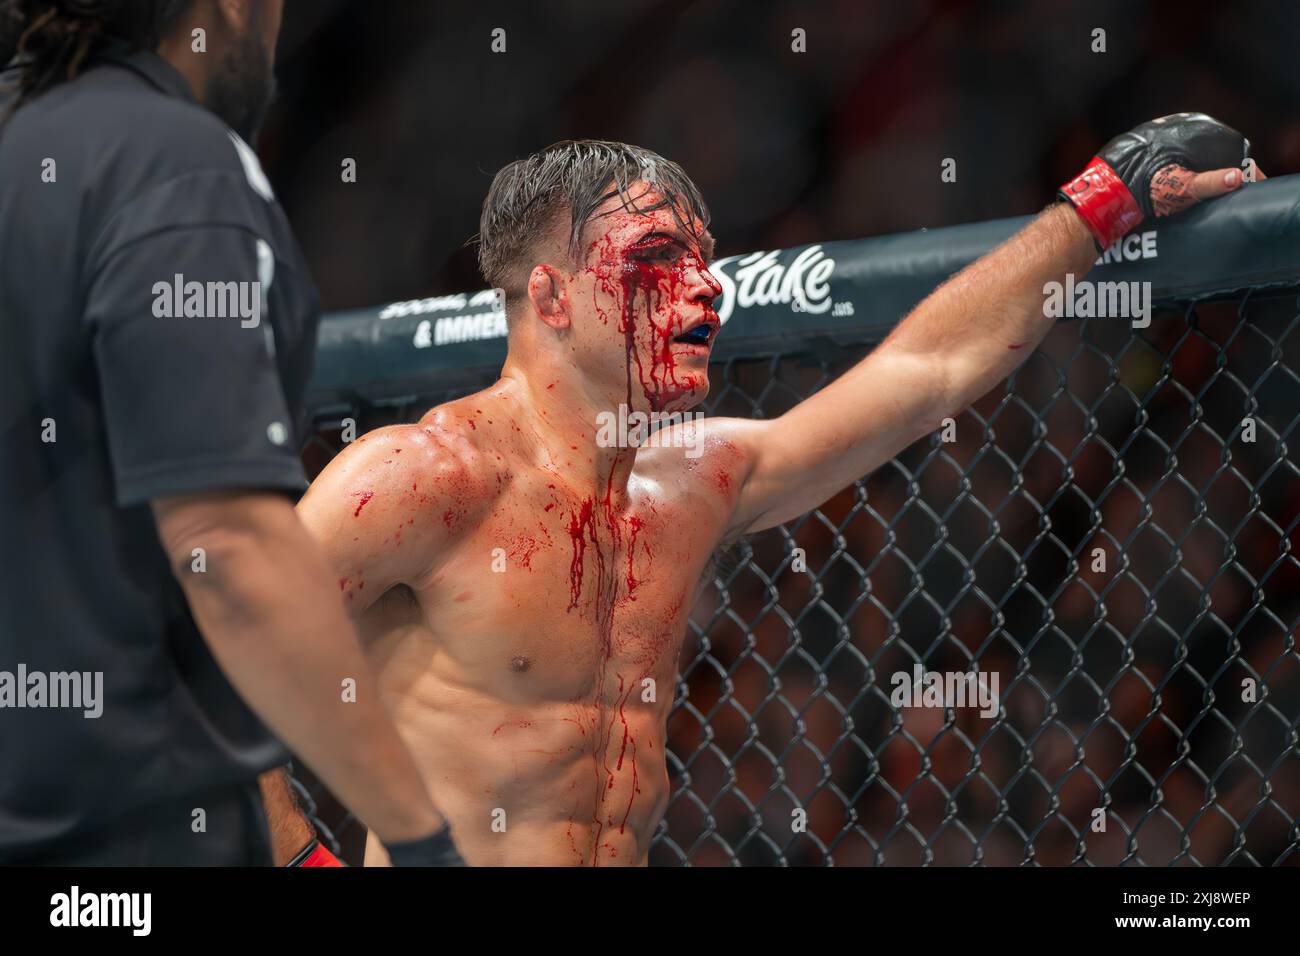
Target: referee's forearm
[
  {"x": 290, "y": 829},
  {"x": 279, "y": 631}
]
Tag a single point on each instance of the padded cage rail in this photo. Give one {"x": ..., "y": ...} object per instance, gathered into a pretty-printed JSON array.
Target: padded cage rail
[{"x": 1109, "y": 532}]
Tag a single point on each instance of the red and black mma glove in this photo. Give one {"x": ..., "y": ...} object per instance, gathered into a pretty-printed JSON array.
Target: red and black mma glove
[
  {"x": 1113, "y": 193},
  {"x": 315, "y": 854}
]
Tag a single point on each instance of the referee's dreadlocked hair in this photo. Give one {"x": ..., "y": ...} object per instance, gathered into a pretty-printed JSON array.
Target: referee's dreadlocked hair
[{"x": 49, "y": 40}]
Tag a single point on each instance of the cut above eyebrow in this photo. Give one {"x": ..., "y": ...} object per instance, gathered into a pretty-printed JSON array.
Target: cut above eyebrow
[{"x": 705, "y": 240}]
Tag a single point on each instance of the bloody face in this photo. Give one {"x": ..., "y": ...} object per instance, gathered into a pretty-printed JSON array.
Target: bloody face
[{"x": 642, "y": 305}]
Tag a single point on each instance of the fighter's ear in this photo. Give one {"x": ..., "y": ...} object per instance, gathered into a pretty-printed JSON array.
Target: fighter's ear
[{"x": 546, "y": 292}]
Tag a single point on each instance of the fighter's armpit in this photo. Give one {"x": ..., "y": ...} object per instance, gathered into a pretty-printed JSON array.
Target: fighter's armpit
[{"x": 390, "y": 507}]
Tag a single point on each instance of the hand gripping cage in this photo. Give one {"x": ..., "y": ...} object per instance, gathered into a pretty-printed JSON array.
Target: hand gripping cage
[{"x": 1109, "y": 535}]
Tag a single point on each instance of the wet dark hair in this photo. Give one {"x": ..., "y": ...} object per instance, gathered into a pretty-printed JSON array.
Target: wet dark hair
[
  {"x": 52, "y": 39},
  {"x": 576, "y": 176}
]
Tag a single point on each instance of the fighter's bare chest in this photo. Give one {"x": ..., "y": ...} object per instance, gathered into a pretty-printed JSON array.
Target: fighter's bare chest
[{"x": 581, "y": 584}]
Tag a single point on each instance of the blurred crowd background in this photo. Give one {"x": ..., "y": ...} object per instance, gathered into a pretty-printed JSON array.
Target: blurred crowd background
[
  {"x": 840, "y": 142},
  {"x": 1123, "y": 688}
]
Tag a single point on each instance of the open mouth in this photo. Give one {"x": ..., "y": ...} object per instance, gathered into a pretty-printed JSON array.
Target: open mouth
[{"x": 702, "y": 334}]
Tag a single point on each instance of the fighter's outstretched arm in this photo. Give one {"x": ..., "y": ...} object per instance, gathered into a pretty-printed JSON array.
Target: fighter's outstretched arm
[{"x": 964, "y": 338}]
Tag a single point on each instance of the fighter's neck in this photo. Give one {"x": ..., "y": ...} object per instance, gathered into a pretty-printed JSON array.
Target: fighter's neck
[{"x": 572, "y": 424}]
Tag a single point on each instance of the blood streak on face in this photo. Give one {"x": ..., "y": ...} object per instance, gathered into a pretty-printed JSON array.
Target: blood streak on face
[
  {"x": 654, "y": 281},
  {"x": 656, "y": 367}
]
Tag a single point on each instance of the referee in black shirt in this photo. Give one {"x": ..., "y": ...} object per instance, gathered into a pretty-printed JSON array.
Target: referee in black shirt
[{"x": 157, "y": 326}]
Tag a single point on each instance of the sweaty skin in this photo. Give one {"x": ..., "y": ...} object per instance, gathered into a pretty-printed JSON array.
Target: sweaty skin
[
  {"x": 522, "y": 592},
  {"x": 539, "y": 691}
]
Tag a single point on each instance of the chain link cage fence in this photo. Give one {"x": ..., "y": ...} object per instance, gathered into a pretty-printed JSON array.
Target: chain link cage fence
[{"x": 1109, "y": 533}]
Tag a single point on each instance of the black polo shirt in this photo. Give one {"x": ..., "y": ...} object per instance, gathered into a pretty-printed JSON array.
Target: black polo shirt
[{"x": 120, "y": 384}]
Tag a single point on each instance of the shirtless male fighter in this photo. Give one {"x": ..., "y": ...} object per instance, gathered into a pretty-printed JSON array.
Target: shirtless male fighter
[{"x": 522, "y": 591}]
